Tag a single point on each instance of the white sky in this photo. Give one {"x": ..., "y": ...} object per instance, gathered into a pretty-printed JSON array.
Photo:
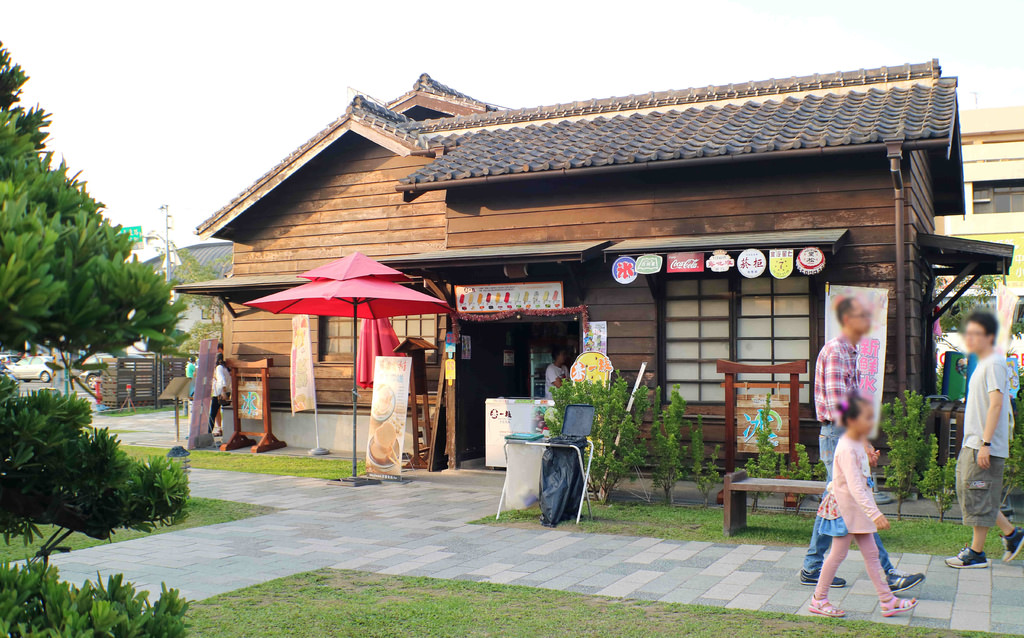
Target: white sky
[{"x": 187, "y": 103}]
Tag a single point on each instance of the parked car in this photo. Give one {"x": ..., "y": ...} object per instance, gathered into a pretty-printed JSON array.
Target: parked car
[
  {"x": 33, "y": 368},
  {"x": 86, "y": 369}
]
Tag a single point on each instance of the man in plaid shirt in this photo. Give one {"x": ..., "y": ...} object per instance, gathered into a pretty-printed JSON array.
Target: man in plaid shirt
[{"x": 835, "y": 380}]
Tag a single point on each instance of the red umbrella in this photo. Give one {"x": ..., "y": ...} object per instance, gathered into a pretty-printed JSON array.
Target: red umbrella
[
  {"x": 354, "y": 266},
  {"x": 363, "y": 296},
  {"x": 376, "y": 338}
]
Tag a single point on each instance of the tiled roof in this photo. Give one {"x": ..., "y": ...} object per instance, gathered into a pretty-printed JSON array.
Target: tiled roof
[
  {"x": 428, "y": 84},
  {"x": 365, "y": 110},
  {"x": 915, "y": 112}
]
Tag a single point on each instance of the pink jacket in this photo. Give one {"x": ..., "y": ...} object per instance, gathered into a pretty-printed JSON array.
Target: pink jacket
[{"x": 850, "y": 472}]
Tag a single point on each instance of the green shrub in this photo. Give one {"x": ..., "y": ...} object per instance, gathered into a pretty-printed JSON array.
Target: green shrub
[
  {"x": 703, "y": 470},
  {"x": 1013, "y": 471},
  {"x": 904, "y": 422},
  {"x": 618, "y": 448},
  {"x": 34, "y": 602},
  {"x": 666, "y": 441},
  {"x": 802, "y": 470},
  {"x": 767, "y": 462},
  {"x": 938, "y": 482}
]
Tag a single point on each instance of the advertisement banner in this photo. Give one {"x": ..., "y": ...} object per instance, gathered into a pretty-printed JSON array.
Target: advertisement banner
[
  {"x": 303, "y": 384},
  {"x": 501, "y": 297},
  {"x": 386, "y": 438},
  {"x": 595, "y": 338},
  {"x": 199, "y": 421},
  {"x": 591, "y": 366},
  {"x": 751, "y": 417},
  {"x": 871, "y": 349},
  {"x": 686, "y": 262},
  {"x": 1015, "y": 275}
]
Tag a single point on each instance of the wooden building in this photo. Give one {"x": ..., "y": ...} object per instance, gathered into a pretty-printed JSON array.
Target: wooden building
[{"x": 459, "y": 194}]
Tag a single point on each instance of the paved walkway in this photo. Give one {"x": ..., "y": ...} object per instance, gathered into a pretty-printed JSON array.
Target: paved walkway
[{"x": 419, "y": 529}]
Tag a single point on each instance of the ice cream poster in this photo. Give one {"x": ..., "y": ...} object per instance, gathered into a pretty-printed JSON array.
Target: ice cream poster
[
  {"x": 388, "y": 408},
  {"x": 303, "y": 387},
  {"x": 505, "y": 297},
  {"x": 595, "y": 338}
]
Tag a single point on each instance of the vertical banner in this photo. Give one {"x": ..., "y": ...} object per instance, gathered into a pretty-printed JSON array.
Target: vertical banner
[
  {"x": 386, "y": 438},
  {"x": 1006, "y": 305},
  {"x": 871, "y": 349},
  {"x": 303, "y": 385},
  {"x": 199, "y": 420}
]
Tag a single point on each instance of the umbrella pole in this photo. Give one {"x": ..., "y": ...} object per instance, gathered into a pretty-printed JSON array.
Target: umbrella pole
[{"x": 354, "y": 480}]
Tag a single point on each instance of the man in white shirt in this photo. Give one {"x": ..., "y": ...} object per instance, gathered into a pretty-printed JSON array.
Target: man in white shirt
[
  {"x": 556, "y": 371},
  {"x": 979, "y": 468}
]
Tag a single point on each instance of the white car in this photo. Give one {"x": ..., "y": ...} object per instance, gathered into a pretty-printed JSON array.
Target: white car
[{"x": 32, "y": 369}]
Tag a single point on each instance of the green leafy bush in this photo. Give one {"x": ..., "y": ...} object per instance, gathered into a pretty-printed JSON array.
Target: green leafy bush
[
  {"x": 703, "y": 469},
  {"x": 666, "y": 441},
  {"x": 34, "y": 602},
  {"x": 766, "y": 463},
  {"x": 904, "y": 422},
  {"x": 618, "y": 448},
  {"x": 1013, "y": 471},
  {"x": 938, "y": 482}
]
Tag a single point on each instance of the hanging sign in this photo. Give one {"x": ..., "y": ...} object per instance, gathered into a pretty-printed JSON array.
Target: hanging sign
[
  {"x": 449, "y": 370},
  {"x": 624, "y": 270},
  {"x": 686, "y": 262},
  {"x": 501, "y": 297},
  {"x": 871, "y": 348},
  {"x": 303, "y": 388},
  {"x": 508, "y": 358},
  {"x": 752, "y": 417},
  {"x": 720, "y": 261},
  {"x": 751, "y": 263},
  {"x": 449, "y": 344},
  {"x": 810, "y": 261},
  {"x": 595, "y": 338},
  {"x": 591, "y": 366},
  {"x": 467, "y": 347},
  {"x": 250, "y": 400},
  {"x": 386, "y": 437},
  {"x": 648, "y": 264},
  {"x": 780, "y": 262}
]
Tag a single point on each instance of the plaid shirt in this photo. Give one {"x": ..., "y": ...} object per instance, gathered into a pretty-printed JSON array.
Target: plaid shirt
[{"x": 835, "y": 377}]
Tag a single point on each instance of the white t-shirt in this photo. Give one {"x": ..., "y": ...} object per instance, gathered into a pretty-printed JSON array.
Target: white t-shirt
[
  {"x": 221, "y": 381},
  {"x": 989, "y": 375},
  {"x": 552, "y": 373}
]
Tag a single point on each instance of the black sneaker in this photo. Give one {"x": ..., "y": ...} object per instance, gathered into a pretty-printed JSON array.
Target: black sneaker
[
  {"x": 1012, "y": 544},
  {"x": 902, "y": 581},
  {"x": 811, "y": 580},
  {"x": 968, "y": 559}
]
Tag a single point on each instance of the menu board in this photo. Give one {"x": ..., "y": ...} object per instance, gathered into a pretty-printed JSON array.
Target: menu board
[
  {"x": 386, "y": 438},
  {"x": 503, "y": 297}
]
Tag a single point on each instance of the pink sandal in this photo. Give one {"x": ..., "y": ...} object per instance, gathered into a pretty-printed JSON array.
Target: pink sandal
[
  {"x": 897, "y": 605},
  {"x": 824, "y": 608}
]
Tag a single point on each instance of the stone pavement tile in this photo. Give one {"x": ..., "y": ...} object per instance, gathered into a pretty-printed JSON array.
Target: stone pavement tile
[
  {"x": 970, "y": 620},
  {"x": 710, "y": 602},
  {"x": 720, "y": 568},
  {"x": 723, "y": 592},
  {"x": 858, "y": 602},
  {"x": 933, "y": 609},
  {"x": 681, "y": 596},
  {"x": 769, "y": 555},
  {"x": 680, "y": 553},
  {"x": 602, "y": 579},
  {"x": 561, "y": 582},
  {"x": 748, "y": 601},
  {"x": 1013, "y": 570},
  {"x": 794, "y": 597},
  {"x": 740, "y": 578},
  {"x": 931, "y": 623},
  {"x": 766, "y": 585},
  {"x": 490, "y": 570},
  {"x": 902, "y": 620},
  {"x": 1007, "y": 628},
  {"x": 1007, "y": 614},
  {"x": 506, "y": 576},
  {"x": 977, "y": 587},
  {"x": 1007, "y": 596},
  {"x": 971, "y": 602},
  {"x": 784, "y": 609},
  {"x": 629, "y": 583}
]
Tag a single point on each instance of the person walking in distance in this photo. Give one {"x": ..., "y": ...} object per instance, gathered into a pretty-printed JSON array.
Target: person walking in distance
[
  {"x": 860, "y": 517},
  {"x": 979, "y": 467},
  {"x": 221, "y": 392},
  {"x": 835, "y": 379}
]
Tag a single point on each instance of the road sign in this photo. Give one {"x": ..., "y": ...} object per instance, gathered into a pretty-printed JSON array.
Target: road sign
[{"x": 134, "y": 233}]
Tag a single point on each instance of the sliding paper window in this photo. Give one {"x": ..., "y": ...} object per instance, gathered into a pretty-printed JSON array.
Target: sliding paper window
[
  {"x": 697, "y": 334},
  {"x": 773, "y": 325}
]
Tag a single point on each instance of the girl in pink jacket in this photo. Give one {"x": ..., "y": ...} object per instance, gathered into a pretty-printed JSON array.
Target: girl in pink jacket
[{"x": 860, "y": 516}]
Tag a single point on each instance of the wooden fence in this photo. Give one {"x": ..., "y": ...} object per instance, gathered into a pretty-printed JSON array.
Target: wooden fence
[{"x": 141, "y": 379}]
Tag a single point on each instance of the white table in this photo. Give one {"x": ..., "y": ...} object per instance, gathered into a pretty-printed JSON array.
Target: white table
[{"x": 545, "y": 443}]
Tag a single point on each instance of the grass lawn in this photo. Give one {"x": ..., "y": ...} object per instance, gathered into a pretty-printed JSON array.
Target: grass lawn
[
  {"x": 768, "y": 528},
  {"x": 346, "y": 603},
  {"x": 201, "y": 511},
  {"x": 305, "y": 466},
  {"x": 136, "y": 411}
]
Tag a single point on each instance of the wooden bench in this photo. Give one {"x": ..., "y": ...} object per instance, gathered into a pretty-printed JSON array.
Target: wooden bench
[{"x": 735, "y": 495}]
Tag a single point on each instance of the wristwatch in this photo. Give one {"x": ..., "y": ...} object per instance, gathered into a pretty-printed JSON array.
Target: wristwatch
[{"x": 987, "y": 443}]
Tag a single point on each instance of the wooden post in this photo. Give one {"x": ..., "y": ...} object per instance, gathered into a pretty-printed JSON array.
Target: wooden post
[
  {"x": 794, "y": 414},
  {"x": 734, "y": 514}
]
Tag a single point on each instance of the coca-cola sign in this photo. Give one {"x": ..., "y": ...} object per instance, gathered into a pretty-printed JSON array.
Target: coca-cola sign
[{"x": 686, "y": 262}]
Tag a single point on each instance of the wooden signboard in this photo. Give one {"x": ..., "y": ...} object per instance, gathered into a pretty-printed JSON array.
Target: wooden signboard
[
  {"x": 751, "y": 400},
  {"x": 250, "y": 393}
]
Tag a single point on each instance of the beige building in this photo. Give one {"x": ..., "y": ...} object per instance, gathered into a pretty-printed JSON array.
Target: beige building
[{"x": 993, "y": 154}]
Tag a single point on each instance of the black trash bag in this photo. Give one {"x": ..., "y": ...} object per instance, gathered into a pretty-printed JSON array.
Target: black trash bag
[{"x": 561, "y": 481}]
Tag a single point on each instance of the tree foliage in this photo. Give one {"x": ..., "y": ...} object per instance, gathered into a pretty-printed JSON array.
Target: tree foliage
[
  {"x": 1013, "y": 470},
  {"x": 980, "y": 294},
  {"x": 938, "y": 482},
  {"x": 904, "y": 421},
  {"x": 703, "y": 469},
  {"x": 210, "y": 309},
  {"x": 667, "y": 452},
  {"x": 616, "y": 432}
]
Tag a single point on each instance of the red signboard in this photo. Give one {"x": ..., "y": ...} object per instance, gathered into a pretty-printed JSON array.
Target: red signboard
[{"x": 685, "y": 262}]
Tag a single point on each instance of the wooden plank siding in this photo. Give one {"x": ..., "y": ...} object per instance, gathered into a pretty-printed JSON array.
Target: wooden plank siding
[{"x": 342, "y": 201}]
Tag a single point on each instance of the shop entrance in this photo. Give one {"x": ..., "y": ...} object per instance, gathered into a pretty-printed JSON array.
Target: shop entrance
[{"x": 507, "y": 359}]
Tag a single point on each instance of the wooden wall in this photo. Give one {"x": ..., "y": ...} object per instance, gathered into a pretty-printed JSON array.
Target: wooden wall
[{"x": 342, "y": 201}]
